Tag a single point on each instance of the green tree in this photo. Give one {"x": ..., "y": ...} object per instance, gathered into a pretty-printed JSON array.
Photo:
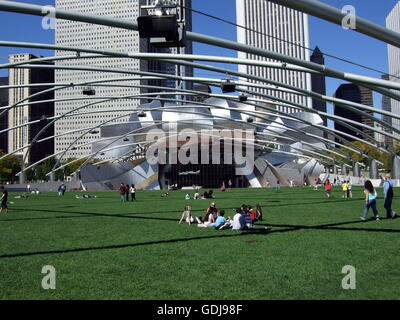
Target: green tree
[
  {"x": 9, "y": 167},
  {"x": 371, "y": 151}
]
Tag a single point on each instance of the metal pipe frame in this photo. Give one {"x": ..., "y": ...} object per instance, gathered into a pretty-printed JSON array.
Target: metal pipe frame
[
  {"x": 32, "y": 9},
  {"x": 232, "y": 110},
  {"x": 292, "y": 118},
  {"x": 383, "y": 34},
  {"x": 173, "y": 108},
  {"x": 104, "y": 149},
  {"x": 217, "y": 59},
  {"x": 326, "y": 115}
]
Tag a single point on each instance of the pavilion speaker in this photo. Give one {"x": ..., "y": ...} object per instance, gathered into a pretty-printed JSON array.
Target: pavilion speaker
[
  {"x": 228, "y": 86},
  {"x": 163, "y": 31}
]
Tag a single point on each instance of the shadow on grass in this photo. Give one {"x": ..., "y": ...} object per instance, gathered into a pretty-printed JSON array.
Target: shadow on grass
[
  {"x": 222, "y": 234},
  {"x": 87, "y": 214},
  {"x": 333, "y": 226}
]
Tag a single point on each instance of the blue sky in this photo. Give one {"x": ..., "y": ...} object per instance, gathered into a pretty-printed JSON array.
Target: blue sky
[{"x": 330, "y": 38}]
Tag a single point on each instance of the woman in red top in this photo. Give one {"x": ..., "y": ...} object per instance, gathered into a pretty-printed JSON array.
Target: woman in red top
[
  {"x": 328, "y": 188},
  {"x": 252, "y": 214}
]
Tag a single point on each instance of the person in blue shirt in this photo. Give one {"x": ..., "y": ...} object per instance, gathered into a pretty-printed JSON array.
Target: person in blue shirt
[
  {"x": 370, "y": 200},
  {"x": 220, "y": 220},
  {"x": 388, "y": 194}
]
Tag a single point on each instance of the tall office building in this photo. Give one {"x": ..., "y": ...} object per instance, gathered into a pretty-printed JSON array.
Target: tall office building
[
  {"x": 358, "y": 94},
  {"x": 387, "y": 106},
  {"x": 4, "y": 117},
  {"x": 22, "y": 136},
  {"x": 279, "y": 29},
  {"x": 393, "y": 23},
  {"x": 318, "y": 83},
  {"x": 84, "y": 35}
]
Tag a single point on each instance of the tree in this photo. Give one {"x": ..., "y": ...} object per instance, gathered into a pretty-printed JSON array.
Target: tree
[
  {"x": 9, "y": 167},
  {"x": 45, "y": 167},
  {"x": 371, "y": 151}
]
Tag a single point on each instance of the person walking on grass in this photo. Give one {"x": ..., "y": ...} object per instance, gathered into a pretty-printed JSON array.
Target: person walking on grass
[
  {"x": 388, "y": 195},
  {"x": 127, "y": 193},
  {"x": 132, "y": 191},
  {"x": 344, "y": 189},
  {"x": 370, "y": 201},
  {"x": 349, "y": 189},
  {"x": 122, "y": 190},
  {"x": 328, "y": 188},
  {"x": 4, "y": 199},
  {"x": 278, "y": 185}
]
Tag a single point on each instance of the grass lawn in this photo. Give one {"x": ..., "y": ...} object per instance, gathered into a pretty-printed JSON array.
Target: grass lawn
[{"x": 104, "y": 249}]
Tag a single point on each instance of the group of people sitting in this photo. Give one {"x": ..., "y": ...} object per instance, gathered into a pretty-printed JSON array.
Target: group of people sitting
[
  {"x": 244, "y": 217},
  {"x": 205, "y": 195}
]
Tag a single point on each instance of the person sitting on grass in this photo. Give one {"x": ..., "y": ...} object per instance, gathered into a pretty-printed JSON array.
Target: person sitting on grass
[
  {"x": 208, "y": 219},
  {"x": 85, "y": 196},
  {"x": 187, "y": 216},
  {"x": 259, "y": 214},
  {"x": 187, "y": 196},
  {"x": 196, "y": 196},
  {"x": 23, "y": 196},
  {"x": 220, "y": 220},
  {"x": 247, "y": 217},
  {"x": 239, "y": 222},
  {"x": 213, "y": 210},
  {"x": 252, "y": 214}
]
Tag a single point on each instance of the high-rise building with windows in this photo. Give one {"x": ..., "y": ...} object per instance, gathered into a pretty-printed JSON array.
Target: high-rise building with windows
[
  {"x": 279, "y": 29},
  {"x": 318, "y": 83},
  {"x": 387, "y": 106},
  {"x": 358, "y": 94},
  {"x": 4, "y": 117},
  {"x": 393, "y": 23},
  {"x": 23, "y": 135},
  {"x": 122, "y": 101}
]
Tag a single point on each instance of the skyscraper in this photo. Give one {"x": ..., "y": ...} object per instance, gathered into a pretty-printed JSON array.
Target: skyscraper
[
  {"x": 393, "y": 23},
  {"x": 279, "y": 29},
  {"x": 358, "y": 94},
  {"x": 23, "y": 135},
  {"x": 4, "y": 117},
  {"x": 318, "y": 83},
  {"x": 387, "y": 106},
  {"x": 84, "y": 35}
]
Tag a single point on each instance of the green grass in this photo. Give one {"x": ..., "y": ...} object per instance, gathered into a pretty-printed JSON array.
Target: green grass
[{"x": 104, "y": 249}]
